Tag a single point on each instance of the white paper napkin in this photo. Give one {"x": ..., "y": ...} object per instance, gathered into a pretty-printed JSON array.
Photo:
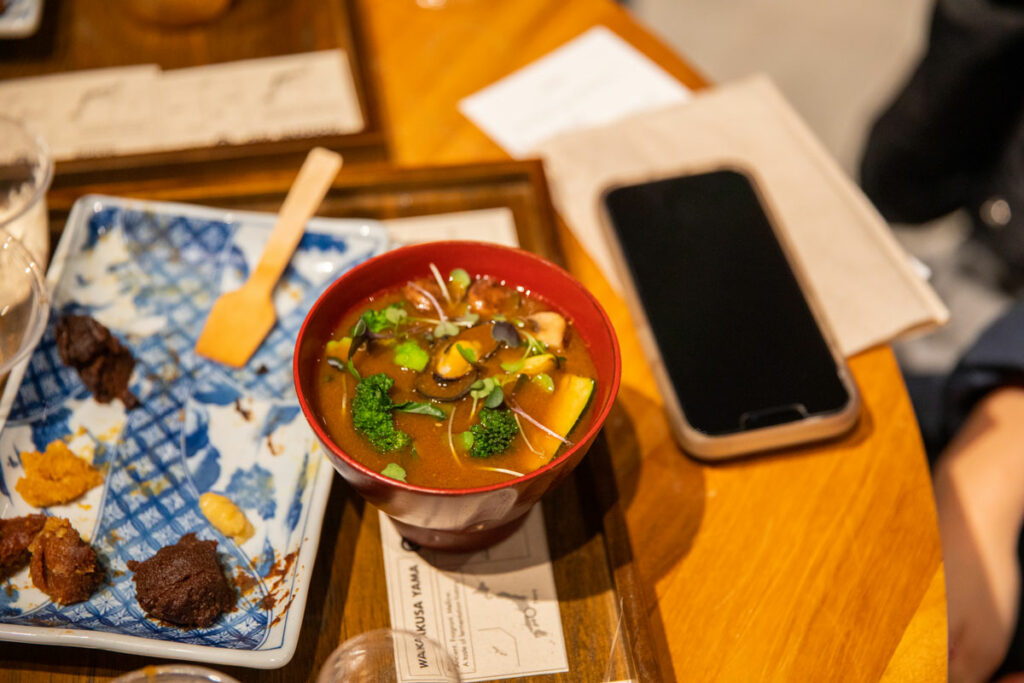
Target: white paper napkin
[{"x": 862, "y": 277}]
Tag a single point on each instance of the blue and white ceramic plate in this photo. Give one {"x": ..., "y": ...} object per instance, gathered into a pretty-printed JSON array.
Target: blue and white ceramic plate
[
  {"x": 20, "y": 18},
  {"x": 150, "y": 272}
]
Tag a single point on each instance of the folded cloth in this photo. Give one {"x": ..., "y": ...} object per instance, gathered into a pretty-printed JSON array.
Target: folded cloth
[{"x": 864, "y": 281}]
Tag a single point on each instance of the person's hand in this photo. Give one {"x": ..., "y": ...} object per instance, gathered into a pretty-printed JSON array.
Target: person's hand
[{"x": 979, "y": 493}]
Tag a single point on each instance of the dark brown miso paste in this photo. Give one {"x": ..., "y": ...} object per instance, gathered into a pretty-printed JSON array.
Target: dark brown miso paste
[{"x": 452, "y": 381}]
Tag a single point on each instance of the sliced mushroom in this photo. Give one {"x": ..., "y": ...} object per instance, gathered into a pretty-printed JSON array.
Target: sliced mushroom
[
  {"x": 489, "y": 296},
  {"x": 548, "y": 327},
  {"x": 439, "y": 389},
  {"x": 414, "y": 294}
]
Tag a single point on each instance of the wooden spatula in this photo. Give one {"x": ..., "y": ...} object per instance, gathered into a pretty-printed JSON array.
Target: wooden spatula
[{"x": 241, "y": 319}]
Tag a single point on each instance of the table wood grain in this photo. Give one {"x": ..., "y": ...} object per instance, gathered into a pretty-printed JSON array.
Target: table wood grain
[
  {"x": 82, "y": 34},
  {"x": 819, "y": 563}
]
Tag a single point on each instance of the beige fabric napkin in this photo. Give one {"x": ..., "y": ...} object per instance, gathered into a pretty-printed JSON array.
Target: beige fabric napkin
[{"x": 860, "y": 275}]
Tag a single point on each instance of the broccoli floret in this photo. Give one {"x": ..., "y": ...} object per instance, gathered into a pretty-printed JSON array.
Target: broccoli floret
[
  {"x": 493, "y": 433},
  {"x": 371, "y": 414}
]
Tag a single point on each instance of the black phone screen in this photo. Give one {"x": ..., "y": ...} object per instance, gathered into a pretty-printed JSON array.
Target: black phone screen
[{"x": 738, "y": 339}]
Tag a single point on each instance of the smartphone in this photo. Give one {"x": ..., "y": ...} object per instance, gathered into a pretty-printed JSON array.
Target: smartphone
[{"x": 741, "y": 355}]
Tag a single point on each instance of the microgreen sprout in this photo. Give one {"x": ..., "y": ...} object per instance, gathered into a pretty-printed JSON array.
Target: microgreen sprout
[
  {"x": 421, "y": 408},
  {"x": 525, "y": 439},
  {"x": 495, "y": 398},
  {"x": 513, "y": 366},
  {"x": 459, "y": 277},
  {"x": 545, "y": 381},
  {"x": 394, "y": 470},
  {"x": 446, "y": 328},
  {"x": 395, "y": 315},
  {"x": 534, "y": 346},
  {"x": 451, "y": 444},
  {"x": 440, "y": 282},
  {"x": 487, "y": 389},
  {"x": 482, "y": 387},
  {"x": 458, "y": 322},
  {"x": 343, "y": 366},
  {"x": 466, "y": 352}
]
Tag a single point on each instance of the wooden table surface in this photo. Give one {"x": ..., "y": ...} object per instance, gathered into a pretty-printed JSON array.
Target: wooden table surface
[{"x": 819, "y": 563}]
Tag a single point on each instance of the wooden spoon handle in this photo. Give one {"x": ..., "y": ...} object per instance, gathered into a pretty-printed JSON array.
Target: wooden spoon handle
[{"x": 307, "y": 192}]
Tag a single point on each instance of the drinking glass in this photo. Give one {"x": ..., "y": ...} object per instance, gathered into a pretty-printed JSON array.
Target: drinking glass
[
  {"x": 26, "y": 171},
  {"x": 174, "y": 673},
  {"x": 389, "y": 656},
  {"x": 24, "y": 303}
]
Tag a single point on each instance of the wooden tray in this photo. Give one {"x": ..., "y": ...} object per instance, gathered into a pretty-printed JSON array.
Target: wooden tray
[
  {"x": 78, "y": 35},
  {"x": 606, "y": 626}
]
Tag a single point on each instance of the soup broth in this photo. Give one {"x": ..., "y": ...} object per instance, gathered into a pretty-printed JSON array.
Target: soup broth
[{"x": 470, "y": 385}]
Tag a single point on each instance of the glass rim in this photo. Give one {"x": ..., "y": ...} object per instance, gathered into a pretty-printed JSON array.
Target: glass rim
[
  {"x": 155, "y": 672},
  {"x": 385, "y": 639},
  {"x": 46, "y": 161}
]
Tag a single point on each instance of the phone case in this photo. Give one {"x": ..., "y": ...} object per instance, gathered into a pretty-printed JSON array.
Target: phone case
[{"x": 694, "y": 441}]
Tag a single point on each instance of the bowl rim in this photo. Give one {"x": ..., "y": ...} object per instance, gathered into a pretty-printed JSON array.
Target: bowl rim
[{"x": 596, "y": 425}]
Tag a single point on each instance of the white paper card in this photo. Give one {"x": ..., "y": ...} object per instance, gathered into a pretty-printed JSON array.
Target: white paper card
[
  {"x": 594, "y": 79},
  {"x": 486, "y": 225},
  {"x": 496, "y": 611}
]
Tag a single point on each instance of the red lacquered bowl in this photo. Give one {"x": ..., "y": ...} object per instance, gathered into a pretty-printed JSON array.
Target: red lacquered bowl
[{"x": 458, "y": 519}]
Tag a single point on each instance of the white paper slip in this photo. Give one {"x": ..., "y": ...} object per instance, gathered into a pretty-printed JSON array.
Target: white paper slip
[
  {"x": 496, "y": 611},
  {"x": 594, "y": 79},
  {"x": 486, "y": 225}
]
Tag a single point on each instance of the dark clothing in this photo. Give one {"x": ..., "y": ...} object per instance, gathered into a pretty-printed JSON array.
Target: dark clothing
[
  {"x": 954, "y": 137},
  {"x": 996, "y": 359}
]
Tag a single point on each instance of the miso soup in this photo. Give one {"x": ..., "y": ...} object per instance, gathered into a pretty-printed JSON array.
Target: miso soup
[{"x": 453, "y": 381}]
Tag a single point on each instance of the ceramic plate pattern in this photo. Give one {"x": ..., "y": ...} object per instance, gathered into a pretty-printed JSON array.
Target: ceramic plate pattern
[
  {"x": 150, "y": 272},
  {"x": 20, "y": 18}
]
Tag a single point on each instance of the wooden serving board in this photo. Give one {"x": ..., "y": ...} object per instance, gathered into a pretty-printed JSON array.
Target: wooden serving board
[
  {"x": 606, "y": 627},
  {"x": 85, "y": 34}
]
